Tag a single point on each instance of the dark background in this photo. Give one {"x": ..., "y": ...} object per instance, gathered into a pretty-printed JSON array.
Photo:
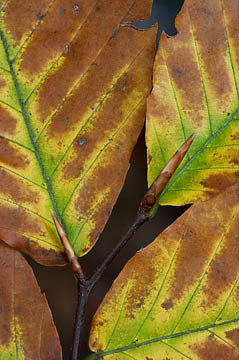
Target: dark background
[{"x": 58, "y": 283}]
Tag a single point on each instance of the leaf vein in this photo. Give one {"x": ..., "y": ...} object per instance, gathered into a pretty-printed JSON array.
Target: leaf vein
[
  {"x": 77, "y": 83},
  {"x": 211, "y": 138},
  {"x": 103, "y": 100},
  {"x": 12, "y": 107},
  {"x": 118, "y": 318},
  {"x": 222, "y": 340},
  {"x": 158, "y": 141},
  {"x": 175, "y": 349},
  {"x": 202, "y": 78},
  {"x": 26, "y": 119},
  {"x": 227, "y": 299},
  {"x": 38, "y": 23},
  {"x": 27, "y": 209},
  {"x": 204, "y": 273},
  {"x": 229, "y": 49},
  {"x": 99, "y": 154},
  {"x": 166, "y": 337},
  {"x": 159, "y": 292},
  {"x": 22, "y": 176},
  {"x": 176, "y": 101}
]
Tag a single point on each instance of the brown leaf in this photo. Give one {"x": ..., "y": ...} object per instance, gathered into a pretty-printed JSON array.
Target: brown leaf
[
  {"x": 27, "y": 330},
  {"x": 73, "y": 89}
]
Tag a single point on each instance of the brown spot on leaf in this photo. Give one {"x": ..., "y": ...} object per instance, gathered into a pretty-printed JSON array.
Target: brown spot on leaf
[
  {"x": 234, "y": 161},
  {"x": 149, "y": 159},
  {"x": 50, "y": 38},
  {"x": 13, "y": 223},
  {"x": 10, "y": 155},
  {"x": 224, "y": 268},
  {"x": 143, "y": 278},
  {"x": 200, "y": 237},
  {"x": 212, "y": 349},
  {"x": 2, "y": 82},
  {"x": 231, "y": 13},
  {"x": 235, "y": 136},
  {"x": 167, "y": 304},
  {"x": 210, "y": 36},
  {"x": 13, "y": 187},
  {"x": 7, "y": 122},
  {"x": 17, "y": 219},
  {"x": 189, "y": 263},
  {"x": 233, "y": 335},
  {"x": 220, "y": 182},
  {"x": 185, "y": 73},
  {"x": 48, "y": 257},
  {"x": 81, "y": 56},
  {"x": 102, "y": 178},
  {"x": 82, "y": 141},
  {"x": 21, "y": 16}
]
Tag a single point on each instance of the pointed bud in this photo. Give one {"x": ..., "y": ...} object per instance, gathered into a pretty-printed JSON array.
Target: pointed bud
[
  {"x": 70, "y": 254},
  {"x": 153, "y": 193}
]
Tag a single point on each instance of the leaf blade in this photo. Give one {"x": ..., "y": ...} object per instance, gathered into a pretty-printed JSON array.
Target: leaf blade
[
  {"x": 23, "y": 335},
  {"x": 86, "y": 127},
  {"x": 181, "y": 286},
  {"x": 195, "y": 91}
]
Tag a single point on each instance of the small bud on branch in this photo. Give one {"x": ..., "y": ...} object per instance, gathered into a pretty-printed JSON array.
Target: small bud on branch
[
  {"x": 155, "y": 190},
  {"x": 70, "y": 254}
]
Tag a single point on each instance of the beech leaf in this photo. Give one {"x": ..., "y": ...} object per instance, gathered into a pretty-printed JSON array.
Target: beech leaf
[
  {"x": 73, "y": 87},
  {"x": 178, "y": 297},
  {"x": 196, "y": 82},
  {"x": 27, "y": 330}
]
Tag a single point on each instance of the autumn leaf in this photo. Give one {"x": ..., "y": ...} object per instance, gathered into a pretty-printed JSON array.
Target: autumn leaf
[
  {"x": 27, "y": 330},
  {"x": 178, "y": 297},
  {"x": 73, "y": 84},
  {"x": 196, "y": 81}
]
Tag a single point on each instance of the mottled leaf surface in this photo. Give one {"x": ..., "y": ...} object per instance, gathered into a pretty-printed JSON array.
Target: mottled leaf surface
[
  {"x": 27, "y": 330},
  {"x": 73, "y": 84},
  {"x": 178, "y": 298},
  {"x": 196, "y": 81}
]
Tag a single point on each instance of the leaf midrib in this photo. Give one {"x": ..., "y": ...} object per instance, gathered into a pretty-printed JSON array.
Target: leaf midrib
[
  {"x": 26, "y": 118},
  {"x": 166, "y": 337}
]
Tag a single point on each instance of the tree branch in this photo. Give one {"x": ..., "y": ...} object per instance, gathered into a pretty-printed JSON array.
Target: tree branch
[
  {"x": 83, "y": 294},
  {"x": 147, "y": 209},
  {"x": 139, "y": 221}
]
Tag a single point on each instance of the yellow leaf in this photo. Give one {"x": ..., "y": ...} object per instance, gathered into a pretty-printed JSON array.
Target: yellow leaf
[
  {"x": 178, "y": 298},
  {"x": 73, "y": 86},
  {"x": 196, "y": 82}
]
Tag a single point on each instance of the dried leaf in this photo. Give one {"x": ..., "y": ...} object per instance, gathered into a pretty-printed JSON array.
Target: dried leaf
[
  {"x": 27, "y": 330},
  {"x": 196, "y": 82},
  {"x": 178, "y": 297},
  {"x": 73, "y": 84}
]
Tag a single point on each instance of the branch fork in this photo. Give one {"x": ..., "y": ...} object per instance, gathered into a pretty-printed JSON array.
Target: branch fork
[{"x": 145, "y": 212}]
